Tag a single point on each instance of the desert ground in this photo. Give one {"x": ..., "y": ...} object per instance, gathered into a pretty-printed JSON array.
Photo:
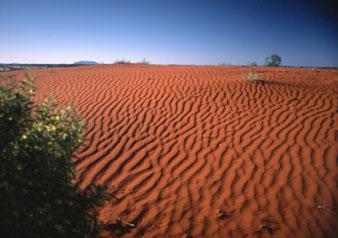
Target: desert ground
[{"x": 200, "y": 151}]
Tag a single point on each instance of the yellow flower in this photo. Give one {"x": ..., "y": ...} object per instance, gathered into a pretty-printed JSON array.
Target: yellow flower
[{"x": 50, "y": 128}]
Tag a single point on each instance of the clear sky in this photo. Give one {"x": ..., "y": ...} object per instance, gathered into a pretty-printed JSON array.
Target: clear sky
[{"x": 303, "y": 32}]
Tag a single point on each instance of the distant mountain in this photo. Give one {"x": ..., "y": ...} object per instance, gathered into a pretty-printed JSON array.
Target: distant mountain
[{"x": 85, "y": 62}]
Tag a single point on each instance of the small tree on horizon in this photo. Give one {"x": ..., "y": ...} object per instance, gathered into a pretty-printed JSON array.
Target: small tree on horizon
[{"x": 273, "y": 60}]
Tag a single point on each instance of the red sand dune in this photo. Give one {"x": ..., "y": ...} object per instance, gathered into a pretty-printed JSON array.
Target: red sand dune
[{"x": 194, "y": 151}]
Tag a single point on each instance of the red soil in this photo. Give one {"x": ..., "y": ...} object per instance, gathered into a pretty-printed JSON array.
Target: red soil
[{"x": 201, "y": 152}]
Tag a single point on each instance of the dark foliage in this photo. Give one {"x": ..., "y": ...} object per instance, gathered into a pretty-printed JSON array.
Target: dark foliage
[
  {"x": 273, "y": 60},
  {"x": 38, "y": 195}
]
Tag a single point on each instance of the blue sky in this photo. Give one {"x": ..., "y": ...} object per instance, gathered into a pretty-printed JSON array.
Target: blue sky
[{"x": 303, "y": 32}]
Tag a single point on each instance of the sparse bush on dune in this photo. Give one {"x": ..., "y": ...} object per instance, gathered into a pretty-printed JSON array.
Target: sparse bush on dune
[
  {"x": 143, "y": 61},
  {"x": 38, "y": 195},
  {"x": 253, "y": 63},
  {"x": 253, "y": 76},
  {"x": 122, "y": 61}
]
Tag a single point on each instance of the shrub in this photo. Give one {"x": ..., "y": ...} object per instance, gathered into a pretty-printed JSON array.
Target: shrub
[
  {"x": 122, "y": 61},
  {"x": 38, "y": 195},
  {"x": 143, "y": 61},
  {"x": 273, "y": 60},
  {"x": 253, "y": 63},
  {"x": 253, "y": 76}
]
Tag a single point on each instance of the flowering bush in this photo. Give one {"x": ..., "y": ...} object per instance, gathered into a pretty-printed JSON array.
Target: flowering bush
[{"x": 38, "y": 195}]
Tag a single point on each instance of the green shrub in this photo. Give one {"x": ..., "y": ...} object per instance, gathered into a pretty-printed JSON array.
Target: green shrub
[
  {"x": 39, "y": 197},
  {"x": 273, "y": 60}
]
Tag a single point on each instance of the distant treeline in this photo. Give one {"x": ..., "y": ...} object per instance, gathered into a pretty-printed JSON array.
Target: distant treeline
[{"x": 9, "y": 67}]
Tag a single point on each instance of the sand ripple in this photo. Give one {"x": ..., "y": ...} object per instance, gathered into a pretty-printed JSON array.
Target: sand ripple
[{"x": 201, "y": 152}]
